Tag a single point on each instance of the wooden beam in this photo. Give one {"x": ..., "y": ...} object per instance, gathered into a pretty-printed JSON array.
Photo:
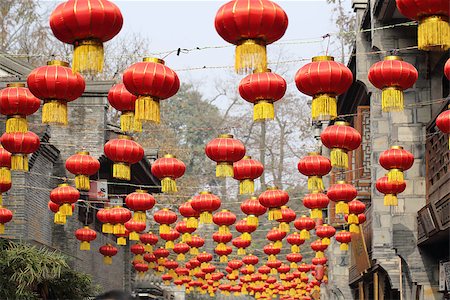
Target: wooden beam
[{"x": 375, "y": 286}]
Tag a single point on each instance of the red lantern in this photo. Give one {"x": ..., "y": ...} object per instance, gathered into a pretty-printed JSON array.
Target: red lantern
[
  {"x": 340, "y": 138},
  {"x": 224, "y": 219},
  {"x": 294, "y": 259},
  {"x": 396, "y": 160},
  {"x": 222, "y": 238},
  {"x": 245, "y": 229},
  {"x": 251, "y": 26},
  {"x": 140, "y": 201},
  {"x": 250, "y": 261},
  {"x": 166, "y": 278},
  {"x": 246, "y": 171},
  {"x": 149, "y": 240},
  {"x": 433, "y": 30},
  {"x": 225, "y": 150},
  {"x": 5, "y": 216},
  {"x": 65, "y": 195},
  {"x": 108, "y": 252},
  {"x": 56, "y": 85},
  {"x": 304, "y": 224},
  {"x": 271, "y": 251},
  {"x": 443, "y": 120},
  {"x": 323, "y": 79},
  {"x": 165, "y": 218},
  {"x": 170, "y": 238},
  {"x": 205, "y": 203},
  {"x": 118, "y": 216},
  {"x": 82, "y": 165},
  {"x": 355, "y": 208},
  {"x": 161, "y": 254},
  {"x": 138, "y": 250},
  {"x": 182, "y": 228},
  {"x": 276, "y": 236},
  {"x": 17, "y": 102},
  {"x": 58, "y": 218},
  {"x": 151, "y": 81},
  {"x": 262, "y": 88},
  {"x": 316, "y": 202},
  {"x": 319, "y": 248},
  {"x": 103, "y": 217},
  {"x": 195, "y": 243},
  {"x": 273, "y": 199},
  {"x": 20, "y": 144},
  {"x": 241, "y": 245},
  {"x": 253, "y": 209},
  {"x": 5, "y": 172},
  {"x": 141, "y": 268},
  {"x": 86, "y": 25},
  {"x": 273, "y": 265},
  {"x": 123, "y": 152},
  {"x": 361, "y": 218},
  {"x": 390, "y": 190},
  {"x": 325, "y": 232},
  {"x": 295, "y": 240},
  {"x": 223, "y": 252},
  {"x": 135, "y": 227},
  {"x": 287, "y": 216},
  {"x": 191, "y": 214},
  {"x": 342, "y": 193},
  {"x": 167, "y": 169},
  {"x": 393, "y": 76},
  {"x": 204, "y": 258},
  {"x": 344, "y": 237},
  {"x": 314, "y": 166},
  {"x": 122, "y": 100},
  {"x": 85, "y": 235}
]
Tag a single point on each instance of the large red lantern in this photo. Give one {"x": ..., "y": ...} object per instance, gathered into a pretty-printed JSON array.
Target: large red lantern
[
  {"x": 443, "y": 120},
  {"x": 390, "y": 190},
  {"x": 5, "y": 216},
  {"x": 140, "y": 201},
  {"x": 344, "y": 237},
  {"x": 253, "y": 209},
  {"x": 167, "y": 169},
  {"x": 135, "y": 227},
  {"x": 340, "y": 138},
  {"x": 342, "y": 193},
  {"x": 191, "y": 214},
  {"x": 314, "y": 166},
  {"x": 20, "y": 144},
  {"x": 225, "y": 150},
  {"x": 165, "y": 218},
  {"x": 123, "y": 152},
  {"x": 323, "y": 79},
  {"x": 251, "y": 25},
  {"x": 17, "y": 102},
  {"x": 56, "y": 85},
  {"x": 244, "y": 229},
  {"x": 124, "y": 101},
  {"x": 108, "y": 251},
  {"x": 152, "y": 82},
  {"x": 141, "y": 268},
  {"x": 85, "y": 235},
  {"x": 295, "y": 240},
  {"x": 262, "y": 88},
  {"x": 118, "y": 216},
  {"x": 64, "y": 195},
  {"x": 82, "y": 165},
  {"x": 325, "y": 232},
  {"x": 319, "y": 248},
  {"x": 246, "y": 171},
  {"x": 205, "y": 203},
  {"x": 170, "y": 238},
  {"x": 276, "y": 236},
  {"x": 396, "y": 160},
  {"x": 304, "y": 224},
  {"x": 86, "y": 25},
  {"x": 224, "y": 219},
  {"x": 103, "y": 217},
  {"x": 355, "y": 208},
  {"x": 434, "y": 30},
  {"x": 287, "y": 216},
  {"x": 274, "y": 199},
  {"x": 316, "y": 202},
  {"x": 392, "y": 76}
]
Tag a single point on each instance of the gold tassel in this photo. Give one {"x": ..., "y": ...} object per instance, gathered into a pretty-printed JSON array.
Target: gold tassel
[
  {"x": 85, "y": 246},
  {"x": 246, "y": 187},
  {"x": 54, "y": 112},
  {"x": 148, "y": 248},
  {"x": 192, "y": 223},
  {"x": 1, "y": 199},
  {"x": 341, "y": 208},
  {"x": 223, "y": 259},
  {"x": 193, "y": 251},
  {"x": 324, "y": 107},
  {"x": 250, "y": 55},
  {"x": 319, "y": 254},
  {"x": 325, "y": 241},
  {"x": 343, "y": 247},
  {"x": 169, "y": 185},
  {"x": 82, "y": 182},
  {"x": 353, "y": 219},
  {"x": 16, "y": 124},
  {"x": 163, "y": 229},
  {"x": 118, "y": 229},
  {"x": 128, "y": 123},
  {"x": 5, "y": 175},
  {"x": 134, "y": 236},
  {"x": 241, "y": 251},
  {"x": 395, "y": 175},
  {"x": 107, "y": 260},
  {"x": 354, "y": 228},
  {"x": 339, "y": 158},
  {"x": 170, "y": 244},
  {"x": 271, "y": 257},
  {"x": 293, "y": 265},
  {"x": 139, "y": 216},
  {"x": 224, "y": 169},
  {"x": 315, "y": 183},
  {"x": 252, "y": 220},
  {"x": 304, "y": 234},
  {"x": 121, "y": 171},
  {"x": 295, "y": 249},
  {"x": 107, "y": 228},
  {"x": 390, "y": 200},
  {"x": 181, "y": 257},
  {"x": 122, "y": 241},
  {"x": 138, "y": 257},
  {"x": 263, "y": 110},
  {"x": 19, "y": 162},
  {"x": 273, "y": 271},
  {"x": 147, "y": 109},
  {"x": 88, "y": 57},
  {"x": 2, "y": 228},
  {"x": 224, "y": 229},
  {"x": 434, "y": 34},
  {"x": 278, "y": 244},
  {"x": 205, "y": 218},
  {"x": 275, "y": 214},
  {"x": 316, "y": 213},
  {"x": 65, "y": 209},
  {"x": 392, "y": 99},
  {"x": 284, "y": 227},
  {"x": 251, "y": 268},
  {"x": 59, "y": 219},
  {"x": 246, "y": 236},
  {"x": 221, "y": 247}
]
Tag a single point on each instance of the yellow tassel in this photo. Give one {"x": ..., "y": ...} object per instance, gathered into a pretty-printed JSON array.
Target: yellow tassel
[
  {"x": 139, "y": 216},
  {"x": 16, "y": 124},
  {"x": 295, "y": 249},
  {"x": 354, "y": 228},
  {"x": 224, "y": 229},
  {"x": 324, "y": 107},
  {"x": 221, "y": 246},
  {"x": 224, "y": 169},
  {"x": 107, "y": 260},
  {"x": 319, "y": 254},
  {"x": 315, "y": 183},
  {"x": 278, "y": 244},
  {"x": 341, "y": 208},
  {"x": 128, "y": 123},
  {"x": 250, "y": 268},
  {"x": 54, "y": 112},
  {"x": 193, "y": 251},
  {"x": 390, "y": 200},
  {"x": 85, "y": 246},
  {"x": 252, "y": 220},
  {"x": 293, "y": 265},
  {"x": 274, "y": 214},
  {"x": 82, "y": 182},
  {"x": 246, "y": 187},
  {"x": 392, "y": 99},
  {"x": 223, "y": 259},
  {"x": 181, "y": 257},
  {"x": 148, "y": 248},
  {"x": 316, "y": 213},
  {"x": 2, "y": 228},
  {"x": 284, "y": 227},
  {"x": 118, "y": 229},
  {"x": 186, "y": 237},
  {"x": 59, "y": 219},
  {"x": 339, "y": 158},
  {"x": 88, "y": 57},
  {"x": 250, "y": 55},
  {"x": 138, "y": 257},
  {"x": 134, "y": 236},
  {"x": 147, "y": 109},
  {"x": 163, "y": 229},
  {"x": 353, "y": 219},
  {"x": 434, "y": 34},
  {"x": 122, "y": 241},
  {"x": 246, "y": 236},
  {"x": 107, "y": 228},
  {"x": 271, "y": 257},
  {"x": 282, "y": 276},
  {"x": 263, "y": 110},
  {"x": 325, "y": 241},
  {"x": 19, "y": 162},
  {"x": 205, "y": 218},
  {"x": 121, "y": 171},
  {"x": 169, "y": 185},
  {"x": 395, "y": 175},
  {"x": 65, "y": 209},
  {"x": 241, "y": 251},
  {"x": 170, "y": 245},
  {"x": 273, "y": 271},
  {"x": 304, "y": 234},
  {"x": 343, "y": 247},
  {"x": 192, "y": 223},
  {"x": 5, "y": 175}
]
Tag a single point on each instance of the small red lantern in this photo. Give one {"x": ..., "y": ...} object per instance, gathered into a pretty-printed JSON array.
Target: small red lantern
[
  {"x": 149, "y": 240},
  {"x": 361, "y": 218},
  {"x": 56, "y": 85},
  {"x": 108, "y": 252},
  {"x": 205, "y": 203},
  {"x": 396, "y": 160},
  {"x": 392, "y": 76},
  {"x": 204, "y": 258},
  {"x": 185, "y": 232},
  {"x": 287, "y": 216},
  {"x": 316, "y": 202},
  {"x": 223, "y": 252},
  {"x": 161, "y": 254},
  {"x": 138, "y": 250},
  {"x": 250, "y": 261},
  {"x": 123, "y": 152},
  {"x": 342, "y": 193},
  {"x": 140, "y": 201},
  {"x": 253, "y": 209},
  {"x": 304, "y": 224},
  {"x": 103, "y": 217},
  {"x": 314, "y": 166},
  {"x": 152, "y": 82},
  {"x": 294, "y": 259},
  {"x": 195, "y": 243},
  {"x": 5, "y": 216},
  {"x": 274, "y": 199},
  {"x": 340, "y": 138},
  {"x": 245, "y": 229},
  {"x": 443, "y": 120},
  {"x": 319, "y": 248},
  {"x": 20, "y": 144},
  {"x": 85, "y": 235},
  {"x": 17, "y": 102},
  {"x": 241, "y": 245},
  {"x": 181, "y": 249},
  {"x": 82, "y": 165},
  {"x": 273, "y": 265},
  {"x": 135, "y": 227},
  {"x": 276, "y": 236},
  {"x": 118, "y": 216},
  {"x": 166, "y": 278},
  {"x": 344, "y": 237},
  {"x": 5, "y": 170},
  {"x": 224, "y": 219},
  {"x": 167, "y": 169},
  {"x": 225, "y": 150},
  {"x": 191, "y": 214},
  {"x": 325, "y": 232},
  {"x": 165, "y": 217},
  {"x": 246, "y": 171},
  {"x": 295, "y": 240},
  {"x": 355, "y": 208},
  {"x": 323, "y": 79},
  {"x": 170, "y": 238},
  {"x": 390, "y": 190},
  {"x": 58, "y": 218},
  {"x": 65, "y": 195},
  {"x": 122, "y": 100},
  {"x": 4, "y": 187},
  {"x": 141, "y": 268}
]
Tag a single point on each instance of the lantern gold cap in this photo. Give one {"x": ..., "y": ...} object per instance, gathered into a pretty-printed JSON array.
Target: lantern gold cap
[
  {"x": 57, "y": 63},
  {"x": 315, "y": 192},
  {"x": 342, "y": 123},
  {"x": 271, "y": 188},
  {"x": 15, "y": 84},
  {"x": 141, "y": 191},
  {"x": 284, "y": 207},
  {"x": 261, "y": 70},
  {"x": 205, "y": 192},
  {"x": 154, "y": 59},
  {"x": 313, "y": 153},
  {"x": 63, "y": 184},
  {"x": 169, "y": 156},
  {"x": 397, "y": 147},
  {"x": 225, "y": 136},
  {"x": 340, "y": 182},
  {"x": 124, "y": 137},
  {"x": 254, "y": 198},
  {"x": 393, "y": 57},
  {"x": 83, "y": 152},
  {"x": 323, "y": 58},
  {"x": 247, "y": 157},
  {"x": 224, "y": 210}
]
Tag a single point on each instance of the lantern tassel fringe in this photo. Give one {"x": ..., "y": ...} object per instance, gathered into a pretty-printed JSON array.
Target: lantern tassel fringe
[
  {"x": 295, "y": 249},
  {"x": 224, "y": 170},
  {"x": 2, "y": 228},
  {"x": 88, "y": 57},
  {"x": 121, "y": 171},
  {"x": 341, "y": 208},
  {"x": 139, "y": 216},
  {"x": 148, "y": 248},
  {"x": 122, "y": 241},
  {"x": 284, "y": 227},
  {"x": 263, "y": 110},
  {"x": 107, "y": 260},
  {"x": 316, "y": 213},
  {"x": 128, "y": 123},
  {"x": 19, "y": 162},
  {"x": 275, "y": 214},
  {"x": 59, "y": 219},
  {"x": 85, "y": 246},
  {"x": 354, "y": 228},
  {"x": 241, "y": 251},
  {"x": 390, "y": 200},
  {"x": 16, "y": 124},
  {"x": 147, "y": 109},
  {"x": 304, "y": 234},
  {"x": 5, "y": 175},
  {"x": 343, "y": 247},
  {"x": 250, "y": 55},
  {"x": 326, "y": 241},
  {"x": 434, "y": 34},
  {"x": 107, "y": 228},
  {"x": 82, "y": 182},
  {"x": 118, "y": 229},
  {"x": 134, "y": 236},
  {"x": 324, "y": 108},
  {"x": 315, "y": 183},
  {"x": 181, "y": 257},
  {"x": 339, "y": 158},
  {"x": 223, "y": 259},
  {"x": 246, "y": 236},
  {"x": 54, "y": 112},
  {"x": 353, "y": 219},
  {"x": 164, "y": 228},
  {"x": 65, "y": 209},
  {"x": 246, "y": 187},
  {"x": 252, "y": 221},
  {"x": 392, "y": 99},
  {"x": 205, "y": 218},
  {"x": 168, "y": 185},
  {"x": 395, "y": 175},
  {"x": 170, "y": 245},
  {"x": 192, "y": 223}
]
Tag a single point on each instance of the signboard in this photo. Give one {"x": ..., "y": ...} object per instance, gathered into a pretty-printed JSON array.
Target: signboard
[
  {"x": 359, "y": 251},
  {"x": 99, "y": 190}
]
